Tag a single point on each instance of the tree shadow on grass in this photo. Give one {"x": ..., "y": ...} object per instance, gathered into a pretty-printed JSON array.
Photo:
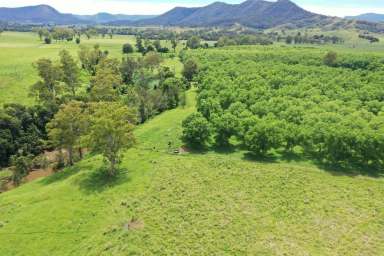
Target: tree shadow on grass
[
  {"x": 60, "y": 175},
  {"x": 99, "y": 180},
  {"x": 224, "y": 149},
  {"x": 85, "y": 164},
  {"x": 269, "y": 158},
  {"x": 351, "y": 169},
  {"x": 342, "y": 169}
]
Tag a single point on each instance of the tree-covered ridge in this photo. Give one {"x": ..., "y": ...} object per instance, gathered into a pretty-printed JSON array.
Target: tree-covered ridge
[{"x": 284, "y": 99}]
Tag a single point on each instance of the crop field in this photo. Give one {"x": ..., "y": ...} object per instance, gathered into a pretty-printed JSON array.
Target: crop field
[{"x": 170, "y": 199}]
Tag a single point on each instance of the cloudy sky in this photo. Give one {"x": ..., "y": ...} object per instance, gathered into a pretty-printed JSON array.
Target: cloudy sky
[{"x": 329, "y": 7}]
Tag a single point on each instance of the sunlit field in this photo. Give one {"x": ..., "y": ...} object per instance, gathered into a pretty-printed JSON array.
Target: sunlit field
[{"x": 171, "y": 199}]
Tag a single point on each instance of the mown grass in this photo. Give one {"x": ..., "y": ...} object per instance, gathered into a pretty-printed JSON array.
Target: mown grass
[{"x": 192, "y": 204}]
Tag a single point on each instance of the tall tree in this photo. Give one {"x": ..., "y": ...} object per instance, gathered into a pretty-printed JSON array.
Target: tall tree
[
  {"x": 127, "y": 69},
  {"x": 67, "y": 126},
  {"x": 190, "y": 69},
  {"x": 48, "y": 88},
  {"x": 91, "y": 58},
  {"x": 70, "y": 71},
  {"x": 110, "y": 132},
  {"x": 139, "y": 45},
  {"x": 174, "y": 43},
  {"x": 107, "y": 81},
  {"x": 194, "y": 42}
]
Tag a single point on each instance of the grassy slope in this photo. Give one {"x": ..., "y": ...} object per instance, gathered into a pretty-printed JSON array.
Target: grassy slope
[{"x": 194, "y": 204}]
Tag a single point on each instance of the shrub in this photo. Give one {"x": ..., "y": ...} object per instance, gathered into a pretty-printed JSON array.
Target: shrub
[
  {"x": 47, "y": 40},
  {"x": 127, "y": 48}
]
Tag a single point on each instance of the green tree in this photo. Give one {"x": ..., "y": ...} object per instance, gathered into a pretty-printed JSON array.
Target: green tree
[
  {"x": 196, "y": 130},
  {"x": 225, "y": 126},
  {"x": 107, "y": 81},
  {"x": 174, "y": 43},
  {"x": 48, "y": 40},
  {"x": 47, "y": 89},
  {"x": 172, "y": 89},
  {"x": 91, "y": 58},
  {"x": 190, "y": 70},
  {"x": 127, "y": 48},
  {"x": 67, "y": 126},
  {"x": 193, "y": 42},
  {"x": 330, "y": 59},
  {"x": 152, "y": 60},
  {"x": 21, "y": 168},
  {"x": 139, "y": 45},
  {"x": 157, "y": 45},
  {"x": 128, "y": 67},
  {"x": 110, "y": 132},
  {"x": 264, "y": 134},
  {"x": 70, "y": 71}
]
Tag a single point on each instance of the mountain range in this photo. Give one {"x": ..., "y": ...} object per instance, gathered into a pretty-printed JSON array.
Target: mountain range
[
  {"x": 251, "y": 13},
  {"x": 44, "y": 14},
  {"x": 258, "y": 14},
  {"x": 372, "y": 17},
  {"x": 104, "y": 17},
  {"x": 37, "y": 14}
]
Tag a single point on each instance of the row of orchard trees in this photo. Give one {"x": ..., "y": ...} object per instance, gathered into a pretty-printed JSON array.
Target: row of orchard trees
[
  {"x": 286, "y": 99},
  {"x": 92, "y": 103}
]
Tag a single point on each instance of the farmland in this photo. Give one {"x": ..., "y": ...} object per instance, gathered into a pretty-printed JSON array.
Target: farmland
[
  {"x": 20, "y": 50},
  {"x": 222, "y": 198}
]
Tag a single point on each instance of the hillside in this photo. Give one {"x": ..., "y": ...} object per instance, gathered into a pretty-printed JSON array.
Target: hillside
[
  {"x": 168, "y": 204},
  {"x": 37, "y": 14},
  {"x": 104, "y": 17},
  {"x": 252, "y": 13},
  {"x": 372, "y": 17}
]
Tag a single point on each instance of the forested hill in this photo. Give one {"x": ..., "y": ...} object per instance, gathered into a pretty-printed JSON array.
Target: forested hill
[
  {"x": 45, "y": 14},
  {"x": 37, "y": 14},
  {"x": 259, "y": 14},
  {"x": 252, "y": 13},
  {"x": 372, "y": 17}
]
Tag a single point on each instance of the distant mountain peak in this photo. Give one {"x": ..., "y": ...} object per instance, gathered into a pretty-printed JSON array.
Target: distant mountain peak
[
  {"x": 371, "y": 17},
  {"x": 252, "y": 13}
]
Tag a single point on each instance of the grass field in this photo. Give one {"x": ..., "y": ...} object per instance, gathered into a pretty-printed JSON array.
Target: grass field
[
  {"x": 18, "y": 51},
  {"x": 193, "y": 204}
]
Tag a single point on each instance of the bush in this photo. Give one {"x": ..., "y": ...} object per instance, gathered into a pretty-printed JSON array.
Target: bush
[
  {"x": 40, "y": 162},
  {"x": 127, "y": 48},
  {"x": 21, "y": 168},
  {"x": 47, "y": 40},
  {"x": 330, "y": 59},
  {"x": 78, "y": 40}
]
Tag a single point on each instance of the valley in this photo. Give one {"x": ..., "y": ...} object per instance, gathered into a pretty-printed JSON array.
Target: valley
[{"x": 253, "y": 128}]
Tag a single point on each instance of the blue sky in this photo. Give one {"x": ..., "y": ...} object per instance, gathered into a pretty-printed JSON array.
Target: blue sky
[{"x": 329, "y": 7}]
